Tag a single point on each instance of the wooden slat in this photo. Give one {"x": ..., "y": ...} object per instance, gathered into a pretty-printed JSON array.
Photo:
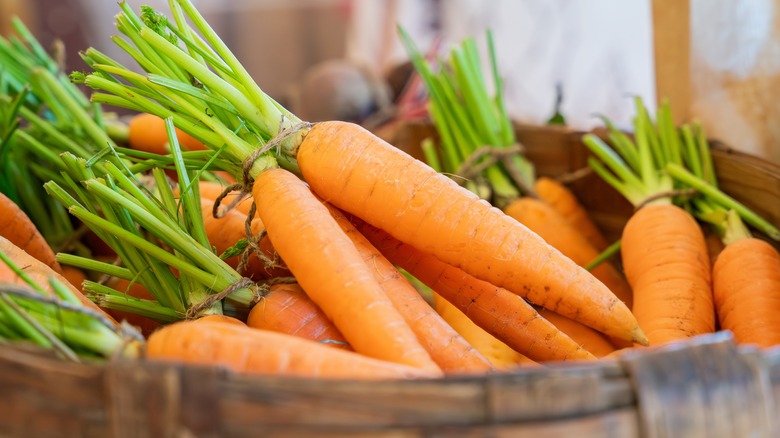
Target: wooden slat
[{"x": 672, "y": 54}]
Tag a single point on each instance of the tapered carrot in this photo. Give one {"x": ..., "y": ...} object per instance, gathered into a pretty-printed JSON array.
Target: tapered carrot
[
  {"x": 566, "y": 203},
  {"x": 590, "y": 339},
  {"x": 226, "y": 231},
  {"x": 329, "y": 268},
  {"x": 500, "y": 355},
  {"x": 146, "y": 132},
  {"x": 287, "y": 309},
  {"x": 666, "y": 262},
  {"x": 746, "y": 285},
  {"x": 364, "y": 175},
  {"x": 498, "y": 311},
  {"x": 447, "y": 348},
  {"x": 262, "y": 352},
  {"x": 17, "y": 227},
  {"x": 548, "y": 223}
]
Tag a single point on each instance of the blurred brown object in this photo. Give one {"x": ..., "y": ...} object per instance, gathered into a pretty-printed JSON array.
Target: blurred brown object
[
  {"x": 57, "y": 24},
  {"x": 13, "y": 8},
  {"x": 339, "y": 89}
]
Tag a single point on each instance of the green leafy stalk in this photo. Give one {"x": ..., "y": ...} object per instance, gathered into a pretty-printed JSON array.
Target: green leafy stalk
[
  {"x": 61, "y": 323},
  {"x": 469, "y": 122},
  {"x": 633, "y": 168}
]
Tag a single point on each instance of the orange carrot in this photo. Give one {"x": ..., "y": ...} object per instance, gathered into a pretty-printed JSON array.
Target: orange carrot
[
  {"x": 364, "y": 175},
  {"x": 666, "y": 262},
  {"x": 38, "y": 271},
  {"x": 75, "y": 276},
  {"x": 498, "y": 311},
  {"x": 746, "y": 285},
  {"x": 447, "y": 348},
  {"x": 226, "y": 231},
  {"x": 287, "y": 309},
  {"x": 146, "y": 132},
  {"x": 330, "y": 270},
  {"x": 212, "y": 190},
  {"x": 500, "y": 355},
  {"x": 17, "y": 227},
  {"x": 135, "y": 290},
  {"x": 254, "y": 351},
  {"x": 566, "y": 203},
  {"x": 548, "y": 223},
  {"x": 213, "y": 317},
  {"x": 590, "y": 339}
]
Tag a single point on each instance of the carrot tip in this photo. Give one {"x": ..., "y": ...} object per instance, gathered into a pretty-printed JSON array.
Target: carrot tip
[{"x": 638, "y": 336}]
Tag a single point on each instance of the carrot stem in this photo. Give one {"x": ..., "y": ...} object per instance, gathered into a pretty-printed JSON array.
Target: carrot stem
[{"x": 726, "y": 201}]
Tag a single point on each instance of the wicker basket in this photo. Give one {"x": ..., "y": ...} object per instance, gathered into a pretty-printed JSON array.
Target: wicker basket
[{"x": 705, "y": 387}]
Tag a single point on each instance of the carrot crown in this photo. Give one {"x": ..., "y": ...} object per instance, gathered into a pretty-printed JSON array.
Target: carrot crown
[
  {"x": 60, "y": 322},
  {"x": 635, "y": 167}
]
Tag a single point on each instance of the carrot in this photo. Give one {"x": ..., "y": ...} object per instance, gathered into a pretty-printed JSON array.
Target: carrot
[
  {"x": 135, "y": 290},
  {"x": 746, "y": 279},
  {"x": 331, "y": 271},
  {"x": 212, "y": 190},
  {"x": 447, "y": 348},
  {"x": 666, "y": 262},
  {"x": 287, "y": 309},
  {"x": 746, "y": 270},
  {"x": 663, "y": 249},
  {"x": 75, "y": 276},
  {"x": 549, "y": 224},
  {"x": 501, "y": 313},
  {"x": 590, "y": 339},
  {"x": 224, "y": 319},
  {"x": 566, "y": 203},
  {"x": 17, "y": 227},
  {"x": 500, "y": 355},
  {"x": 364, "y": 175},
  {"x": 226, "y": 231},
  {"x": 254, "y": 351},
  {"x": 38, "y": 271},
  {"x": 146, "y": 132}
]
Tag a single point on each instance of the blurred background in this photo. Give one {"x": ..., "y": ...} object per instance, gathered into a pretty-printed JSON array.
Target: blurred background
[{"x": 717, "y": 61}]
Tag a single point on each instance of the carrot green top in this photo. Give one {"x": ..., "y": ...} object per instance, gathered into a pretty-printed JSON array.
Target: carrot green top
[
  {"x": 190, "y": 75},
  {"x": 663, "y": 160},
  {"x": 469, "y": 122}
]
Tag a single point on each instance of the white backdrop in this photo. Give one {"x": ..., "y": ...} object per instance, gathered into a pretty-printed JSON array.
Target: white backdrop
[{"x": 599, "y": 50}]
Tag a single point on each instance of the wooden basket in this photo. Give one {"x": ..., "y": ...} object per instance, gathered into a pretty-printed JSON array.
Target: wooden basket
[{"x": 704, "y": 387}]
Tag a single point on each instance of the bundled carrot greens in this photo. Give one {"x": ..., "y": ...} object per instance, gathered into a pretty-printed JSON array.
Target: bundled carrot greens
[
  {"x": 52, "y": 316},
  {"x": 152, "y": 232},
  {"x": 194, "y": 78},
  {"x": 477, "y": 139}
]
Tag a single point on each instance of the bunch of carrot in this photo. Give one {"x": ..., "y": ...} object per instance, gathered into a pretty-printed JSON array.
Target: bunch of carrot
[
  {"x": 311, "y": 185},
  {"x": 310, "y": 270},
  {"x": 677, "y": 292}
]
